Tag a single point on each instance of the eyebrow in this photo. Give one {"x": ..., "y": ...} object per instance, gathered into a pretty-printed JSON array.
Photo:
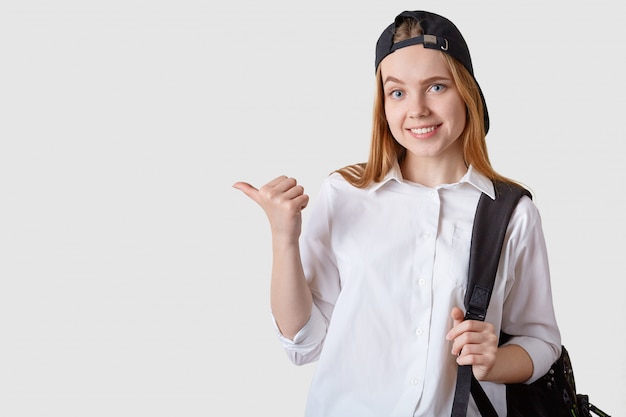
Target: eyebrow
[
  {"x": 391, "y": 79},
  {"x": 425, "y": 81}
]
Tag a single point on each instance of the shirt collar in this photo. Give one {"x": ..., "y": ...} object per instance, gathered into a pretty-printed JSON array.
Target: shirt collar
[
  {"x": 472, "y": 177},
  {"x": 479, "y": 181},
  {"x": 394, "y": 174}
]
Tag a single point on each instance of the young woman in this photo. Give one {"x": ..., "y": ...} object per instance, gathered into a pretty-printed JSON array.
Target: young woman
[{"x": 374, "y": 286}]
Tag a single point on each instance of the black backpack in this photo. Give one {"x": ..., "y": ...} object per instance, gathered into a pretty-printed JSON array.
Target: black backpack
[{"x": 554, "y": 394}]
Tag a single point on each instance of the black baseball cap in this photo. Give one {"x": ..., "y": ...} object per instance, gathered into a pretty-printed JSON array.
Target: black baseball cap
[{"x": 439, "y": 33}]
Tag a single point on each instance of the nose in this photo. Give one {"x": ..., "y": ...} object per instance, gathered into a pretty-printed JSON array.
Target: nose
[{"x": 418, "y": 106}]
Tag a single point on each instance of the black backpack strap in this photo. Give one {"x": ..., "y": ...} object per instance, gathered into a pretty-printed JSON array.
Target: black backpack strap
[
  {"x": 490, "y": 224},
  {"x": 466, "y": 383}
]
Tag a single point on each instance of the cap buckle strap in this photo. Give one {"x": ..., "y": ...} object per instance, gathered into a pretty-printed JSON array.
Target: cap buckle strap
[{"x": 432, "y": 39}]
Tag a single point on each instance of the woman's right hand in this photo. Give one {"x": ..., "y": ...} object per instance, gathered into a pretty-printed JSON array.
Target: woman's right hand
[{"x": 283, "y": 200}]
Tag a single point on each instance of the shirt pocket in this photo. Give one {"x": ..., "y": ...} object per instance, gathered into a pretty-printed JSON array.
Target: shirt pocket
[{"x": 458, "y": 263}]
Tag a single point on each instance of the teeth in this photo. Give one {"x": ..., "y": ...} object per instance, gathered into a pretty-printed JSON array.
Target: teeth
[{"x": 423, "y": 130}]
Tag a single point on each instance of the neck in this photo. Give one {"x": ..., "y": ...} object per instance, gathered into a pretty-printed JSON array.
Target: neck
[{"x": 432, "y": 172}]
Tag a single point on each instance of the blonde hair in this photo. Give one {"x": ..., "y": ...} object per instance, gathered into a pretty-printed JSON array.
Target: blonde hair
[{"x": 385, "y": 151}]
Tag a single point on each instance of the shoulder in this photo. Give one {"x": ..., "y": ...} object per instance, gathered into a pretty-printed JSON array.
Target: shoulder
[
  {"x": 525, "y": 216},
  {"x": 335, "y": 182},
  {"x": 337, "y": 194}
]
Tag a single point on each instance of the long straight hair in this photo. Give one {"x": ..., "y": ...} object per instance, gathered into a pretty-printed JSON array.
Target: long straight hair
[{"x": 385, "y": 151}]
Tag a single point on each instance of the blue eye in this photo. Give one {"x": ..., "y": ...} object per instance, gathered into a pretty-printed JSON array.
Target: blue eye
[
  {"x": 396, "y": 94},
  {"x": 437, "y": 88}
]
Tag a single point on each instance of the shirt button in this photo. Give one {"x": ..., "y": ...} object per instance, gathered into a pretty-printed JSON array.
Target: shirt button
[
  {"x": 426, "y": 235},
  {"x": 433, "y": 194},
  {"x": 421, "y": 281},
  {"x": 419, "y": 332},
  {"x": 414, "y": 381}
]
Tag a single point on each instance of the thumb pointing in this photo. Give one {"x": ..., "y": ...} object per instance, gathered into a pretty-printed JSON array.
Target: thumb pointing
[{"x": 248, "y": 190}]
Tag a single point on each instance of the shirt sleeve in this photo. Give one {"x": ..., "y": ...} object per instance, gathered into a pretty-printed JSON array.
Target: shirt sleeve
[
  {"x": 321, "y": 273},
  {"x": 528, "y": 311}
]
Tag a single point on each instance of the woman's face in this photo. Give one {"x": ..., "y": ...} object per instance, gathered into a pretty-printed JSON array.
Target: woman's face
[{"x": 424, "y": 109}]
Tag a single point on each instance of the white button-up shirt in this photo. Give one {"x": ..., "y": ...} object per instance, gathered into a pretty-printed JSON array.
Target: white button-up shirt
[{"x": 386, "y": 265}]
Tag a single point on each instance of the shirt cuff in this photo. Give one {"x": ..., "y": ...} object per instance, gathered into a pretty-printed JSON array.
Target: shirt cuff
[{"x": 306, "y": 344}]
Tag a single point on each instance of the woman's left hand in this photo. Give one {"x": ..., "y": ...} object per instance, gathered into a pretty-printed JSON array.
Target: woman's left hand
[{"x": 474, "y": 343}]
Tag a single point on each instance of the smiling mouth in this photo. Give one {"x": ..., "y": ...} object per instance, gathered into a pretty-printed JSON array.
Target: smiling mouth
[{"x": 423, "y": 130}]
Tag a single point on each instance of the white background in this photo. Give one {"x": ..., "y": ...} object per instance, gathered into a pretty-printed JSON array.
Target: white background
[{"x": 134, "y": 280}]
